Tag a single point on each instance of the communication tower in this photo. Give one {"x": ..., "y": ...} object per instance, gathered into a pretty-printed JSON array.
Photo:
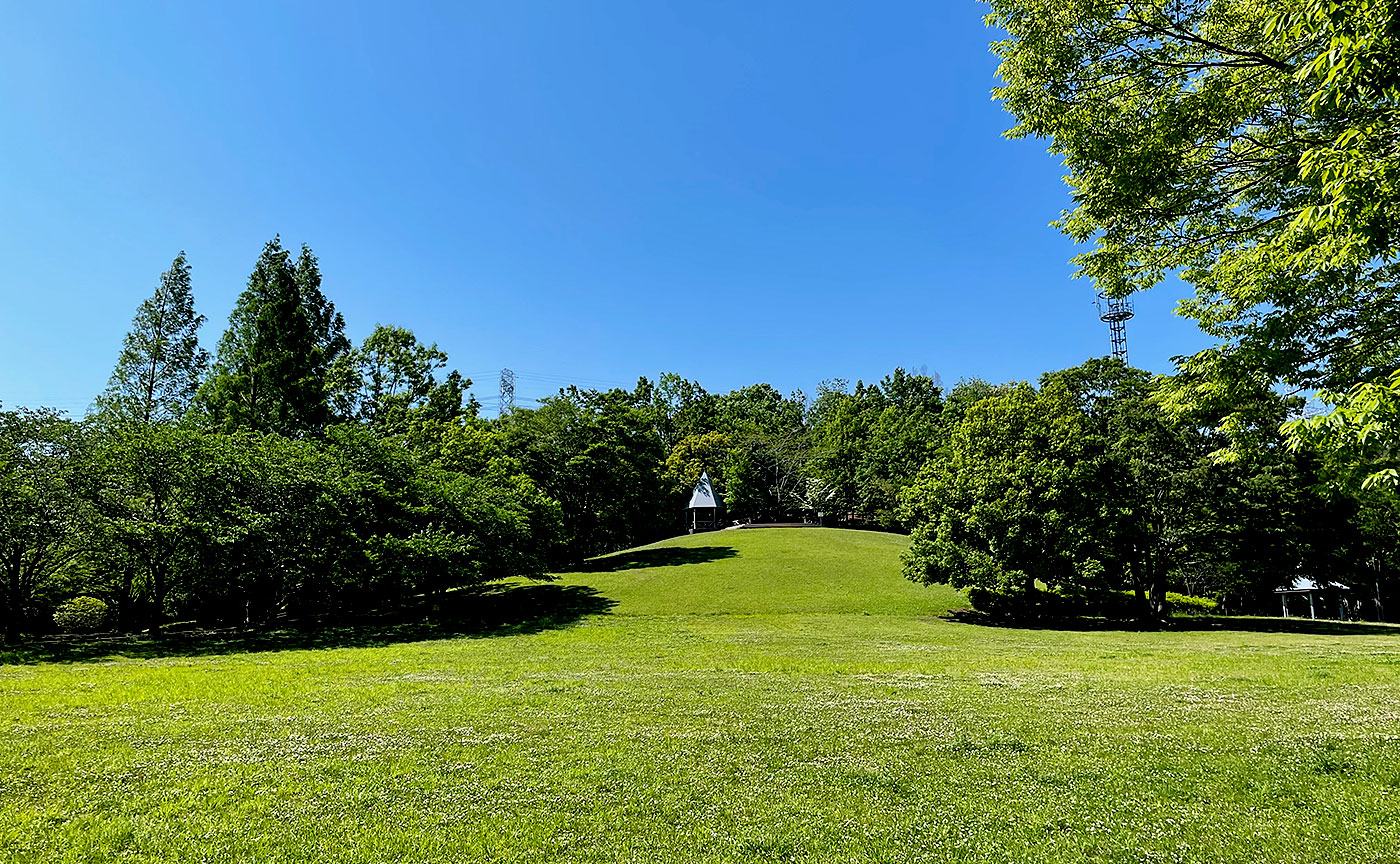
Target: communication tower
[{"x": 1116, "y": 311}]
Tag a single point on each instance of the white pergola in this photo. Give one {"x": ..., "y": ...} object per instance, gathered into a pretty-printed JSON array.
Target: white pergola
[{"x": 1304, "y": 585}]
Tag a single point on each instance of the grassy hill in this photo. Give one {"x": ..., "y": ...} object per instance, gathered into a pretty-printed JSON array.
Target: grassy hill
[
  {"x": 778, "y": 695},
  {"x": 764, "y": 572}
]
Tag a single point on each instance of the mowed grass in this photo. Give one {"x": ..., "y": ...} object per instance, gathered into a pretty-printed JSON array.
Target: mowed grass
[{"x": 778, "y": 695}]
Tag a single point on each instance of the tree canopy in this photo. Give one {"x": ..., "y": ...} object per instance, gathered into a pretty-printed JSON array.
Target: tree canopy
[
  {"x": 271, "y": 372},
  {"x": 161, "y": 364},
  {"x": 1253, "y": 149}
]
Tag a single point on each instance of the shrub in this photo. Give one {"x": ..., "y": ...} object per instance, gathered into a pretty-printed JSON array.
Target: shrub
[
  {"x": 80, "y": 615},
  {"x": 1185, "y": 604}
]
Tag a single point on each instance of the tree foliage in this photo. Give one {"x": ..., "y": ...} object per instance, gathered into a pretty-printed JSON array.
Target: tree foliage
[
  {"x": 1251, "y": 147},
  {"x": 870, "y": 442},
  {"x": 1006, "y": 507},
  {"x": 391, "y": 377},
  {"x": 161, "y": 364},
  {"x": 598, "y": 454},
  {"x": 271, "y": 372},
  {"x": 1086, "y": 490},
  {"x": 44, "y": 517}
]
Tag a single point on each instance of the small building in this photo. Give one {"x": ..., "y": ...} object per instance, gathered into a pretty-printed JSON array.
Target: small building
[
  {"x": 703, "y": 512},
  {"x": 1321, "y": 598}
]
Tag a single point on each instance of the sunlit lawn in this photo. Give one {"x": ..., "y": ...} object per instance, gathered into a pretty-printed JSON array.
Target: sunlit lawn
[{"x": 776, "y": 695}]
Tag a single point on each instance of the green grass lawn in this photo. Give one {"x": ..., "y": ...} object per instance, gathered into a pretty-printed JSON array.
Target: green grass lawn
[{"x": 779, "y": 695}]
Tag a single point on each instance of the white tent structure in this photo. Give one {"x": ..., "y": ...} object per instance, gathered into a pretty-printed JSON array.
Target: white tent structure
[
  {"x": 702, "y": 514},
  {"x": 1309, "y": 588}
]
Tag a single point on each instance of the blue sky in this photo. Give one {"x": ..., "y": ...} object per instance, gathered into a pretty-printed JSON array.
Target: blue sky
[{"x": 738, "y": 192}]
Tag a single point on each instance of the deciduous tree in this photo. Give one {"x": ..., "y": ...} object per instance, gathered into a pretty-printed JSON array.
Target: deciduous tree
[{"x": 1251, "y": 147}]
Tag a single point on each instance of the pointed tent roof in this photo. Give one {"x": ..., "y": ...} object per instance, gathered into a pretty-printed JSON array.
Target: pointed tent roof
[{"x": 704, "y": 494}]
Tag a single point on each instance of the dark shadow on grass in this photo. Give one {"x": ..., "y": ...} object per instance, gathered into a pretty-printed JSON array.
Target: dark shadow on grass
[
  {"x": 668, "y": 556},
  {"x": 1205, "y": 623},
  {"x": 496, "y": 610}
]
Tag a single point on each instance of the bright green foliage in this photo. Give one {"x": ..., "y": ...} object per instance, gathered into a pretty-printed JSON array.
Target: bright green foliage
[
  {"x": 867, "y": 445},
  {"x": 390, "y": 377},
  {"x": 1184, "y": 604},
  {"x": 1359, "y": 438},
  {"x": 710, "y": 720},
  {"x": 514, "y": 527},
  {"x": 599, "y": 456},
  {"x": 158, "y": 491},
  {"x": 766, "y": 472},
  {"x": 245, "y": 528},
  {"x": 1089, "y": 487},
  {"x": 681, "y": 409},
  {"x": 1149, "y": 475},
  {"x": 695, "y": 455},
  {"x": 271, "y": 372},
  {"x": 1007, "y": 506},
  {"x": 80, "y": 615},
  {"x": 44, "y": 518},
  {"x": 1252, "y": 147},
  {"x": 161, "y": 364}
]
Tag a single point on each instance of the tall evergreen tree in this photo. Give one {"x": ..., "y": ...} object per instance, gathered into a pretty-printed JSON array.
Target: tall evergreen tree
[
  {"x": 161, "y": 364},
  {"x": 270, "y": 373},
  {"x": 327, "y": 325}
]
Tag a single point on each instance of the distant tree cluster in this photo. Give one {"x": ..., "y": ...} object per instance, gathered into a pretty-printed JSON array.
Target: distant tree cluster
[
  {"x": 294, "y": 476},
  {"x": 1067, "y": 497}
]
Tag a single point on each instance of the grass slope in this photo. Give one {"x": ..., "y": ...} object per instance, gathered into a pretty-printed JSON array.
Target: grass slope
[
  {"x": 747, "y": 696},
  {"x": 812, "y": 571}
]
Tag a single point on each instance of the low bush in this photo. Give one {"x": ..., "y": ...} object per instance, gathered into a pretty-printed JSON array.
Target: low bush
[
  {"x": 80, "y": 615},
  {"x": 1185, "y": 604}
]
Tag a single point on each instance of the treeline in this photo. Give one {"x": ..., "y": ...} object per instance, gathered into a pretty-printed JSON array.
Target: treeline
[
  {"x": 292, "y": 474},
  {"x": 1085, "y": 495},
  {"x": 296, "y": 475}
]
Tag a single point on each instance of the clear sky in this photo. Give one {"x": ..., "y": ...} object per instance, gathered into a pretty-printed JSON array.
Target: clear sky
[{"x": 588, "y": 191}]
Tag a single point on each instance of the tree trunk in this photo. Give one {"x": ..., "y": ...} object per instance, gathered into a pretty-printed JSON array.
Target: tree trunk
[
  {"x": 126, "y": 601},
  {"x": 1156, "y": 589},
  {"x": 158, "y": 589},
  {"x": 10, "y": 598}
]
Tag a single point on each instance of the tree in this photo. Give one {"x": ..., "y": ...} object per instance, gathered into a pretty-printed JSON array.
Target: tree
[
  {"x": 161, "y": 364},
  {"x": 1254, "y": 149},
  {"x": 693, "y": 456},
  {"x": 1007, "y": 507},
  {"x": 1359, "y": 438},
  {"x": 163, "y": 496},
  {"x": 599, "y": 456},
  {"x": 868, "y": 444},
  {"x": 681, "y": 409},
  {"x": 1147, "y": 476},
  {"x": 766, "y": 472},
  {"x": 44, "y": 517},
  {"x": 271, "y": 370},
  {"x": 517, "y": 528},
  {"x": 390, "y": 377}
]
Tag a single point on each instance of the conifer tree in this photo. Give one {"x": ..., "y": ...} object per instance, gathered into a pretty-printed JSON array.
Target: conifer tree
[
  {"x": 270, "y": 371},
  {"x": 161, "y": 364}
]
